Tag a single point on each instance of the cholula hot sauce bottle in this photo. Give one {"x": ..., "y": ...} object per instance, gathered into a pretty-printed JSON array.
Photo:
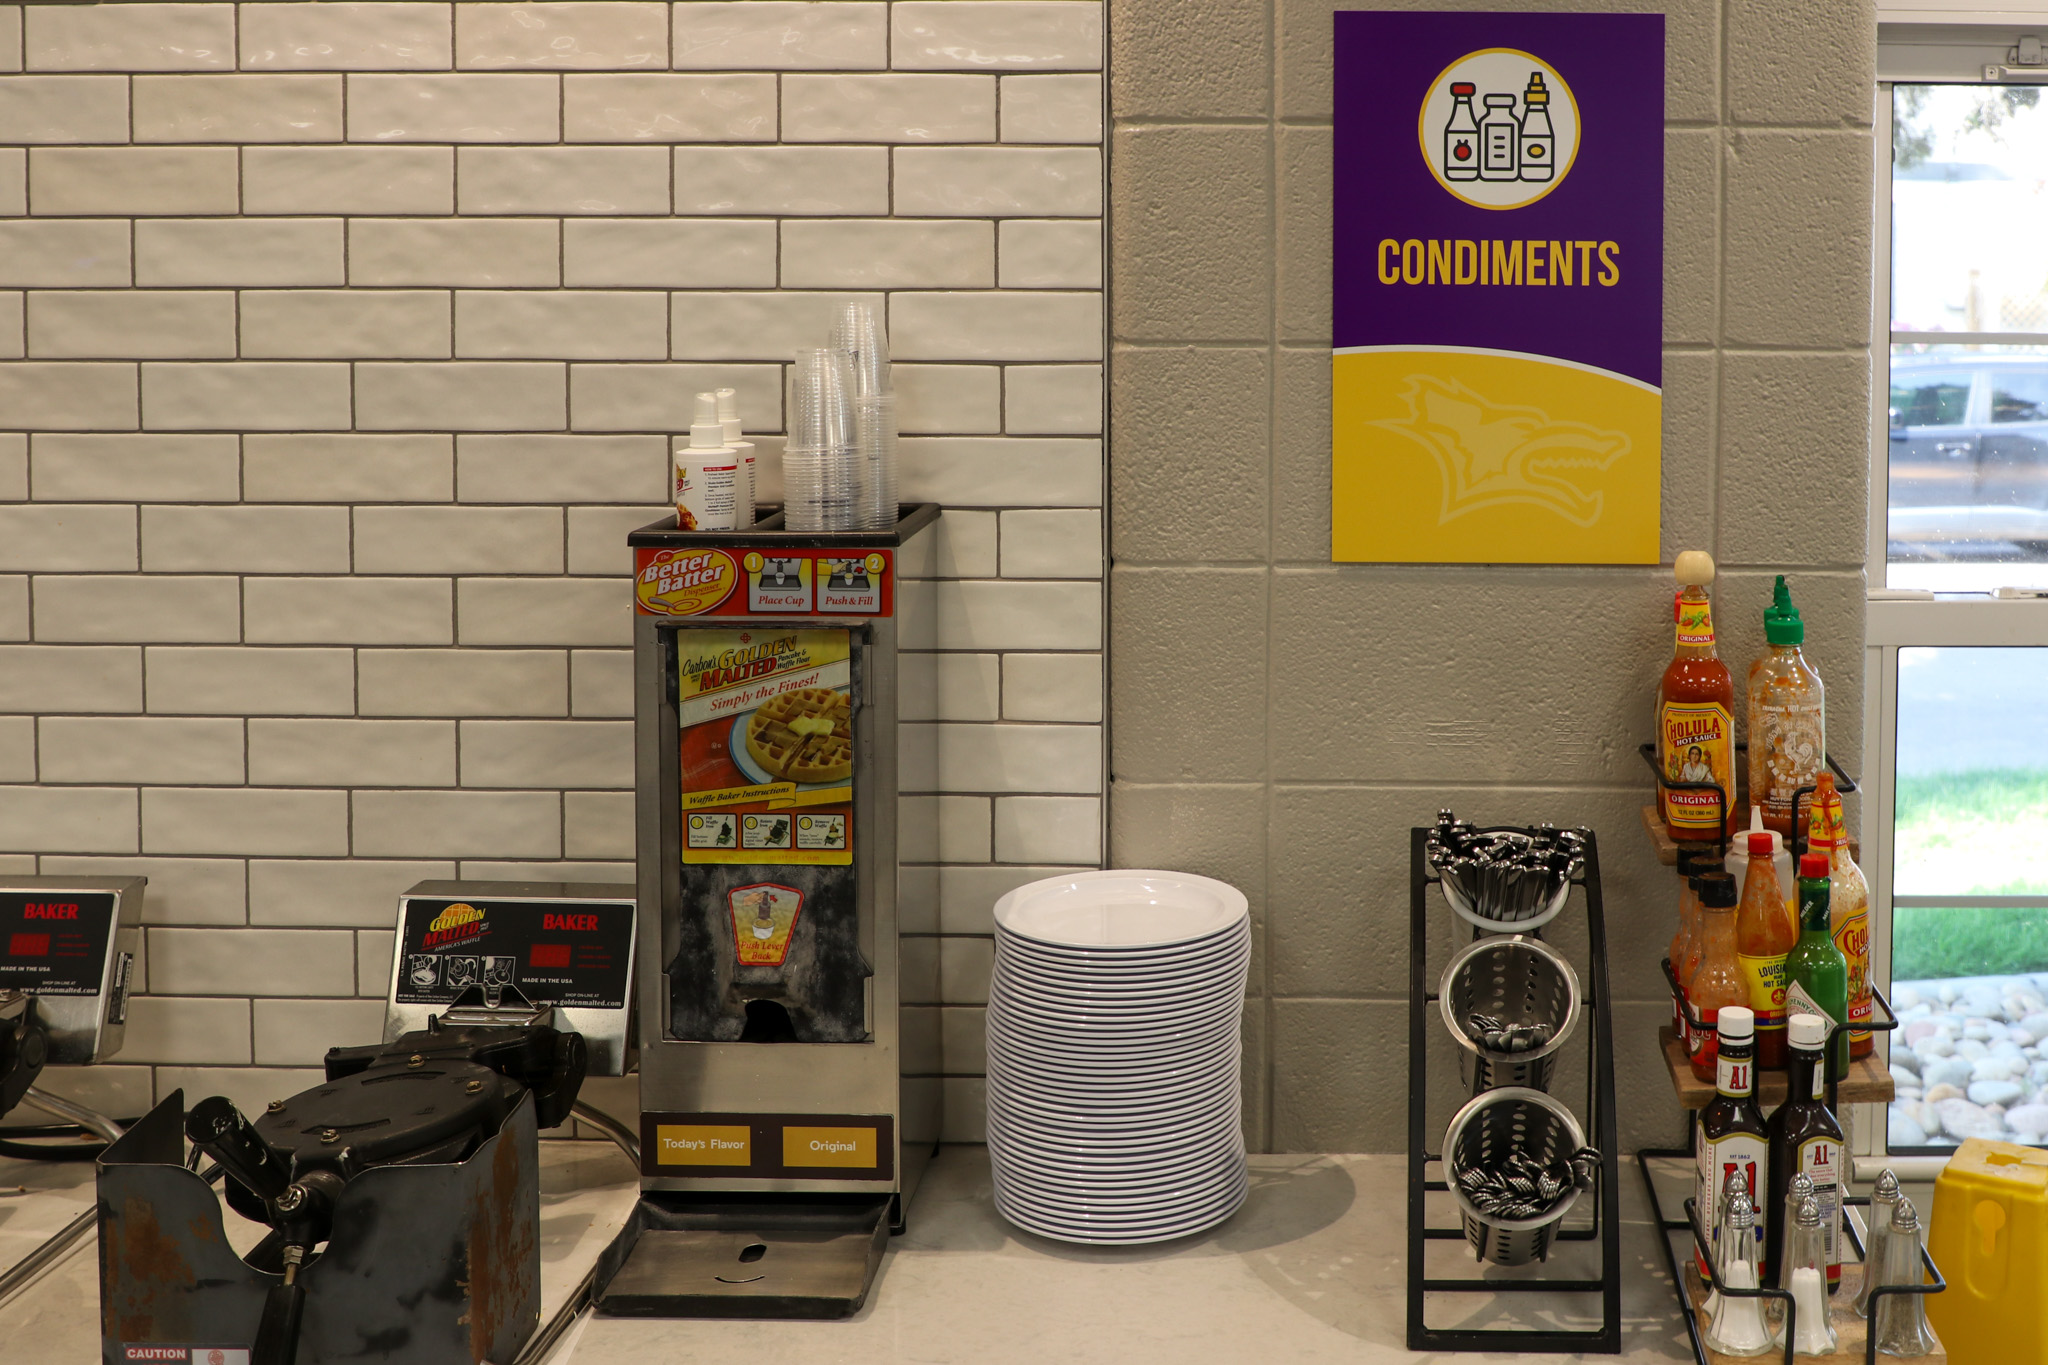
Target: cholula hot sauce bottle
[{"x": 1696, "y": 713}]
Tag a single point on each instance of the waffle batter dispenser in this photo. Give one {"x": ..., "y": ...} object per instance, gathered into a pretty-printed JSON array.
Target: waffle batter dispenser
[{"x": 781, "y": 1129}]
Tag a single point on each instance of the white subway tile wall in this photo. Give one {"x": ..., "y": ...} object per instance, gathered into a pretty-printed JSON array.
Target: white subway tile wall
[{"x": 339, "y": 347}]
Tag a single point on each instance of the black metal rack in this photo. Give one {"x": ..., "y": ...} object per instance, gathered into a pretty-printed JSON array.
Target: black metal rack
[
  {"x": 1844, "y": 784},
  {"x": 1606, "y": 1193},
  {"x": 1691, "y": 1224}
]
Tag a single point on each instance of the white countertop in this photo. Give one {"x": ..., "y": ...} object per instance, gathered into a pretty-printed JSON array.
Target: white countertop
[{"x": 1311, "y": 1269}]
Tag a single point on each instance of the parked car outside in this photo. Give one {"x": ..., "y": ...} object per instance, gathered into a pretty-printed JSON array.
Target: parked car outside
[{"x": 1969, "y": 449}]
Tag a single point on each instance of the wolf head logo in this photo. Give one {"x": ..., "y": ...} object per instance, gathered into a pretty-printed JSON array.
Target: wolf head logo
[{"x": 1493, "y": 453}]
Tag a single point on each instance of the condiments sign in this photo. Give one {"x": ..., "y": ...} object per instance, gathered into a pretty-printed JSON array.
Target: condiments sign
[{"x": 1498, "y": 285}]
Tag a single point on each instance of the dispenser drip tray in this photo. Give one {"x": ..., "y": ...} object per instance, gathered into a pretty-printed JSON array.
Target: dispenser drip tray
[{"x": 680, "y": 1257}]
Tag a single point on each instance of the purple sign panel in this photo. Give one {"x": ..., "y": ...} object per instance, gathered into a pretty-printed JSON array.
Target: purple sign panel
[{"x": 1497, "y": 277}]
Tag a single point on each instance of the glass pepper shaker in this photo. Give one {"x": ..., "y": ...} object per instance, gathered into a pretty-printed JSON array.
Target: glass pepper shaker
[
  {"x": 1737, "y": 1326},
  {"x": 1884, "y": 1197},
  {"x": 1901, "y": 1319}
]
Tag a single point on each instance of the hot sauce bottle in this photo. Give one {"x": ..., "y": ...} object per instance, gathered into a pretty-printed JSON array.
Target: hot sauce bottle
[
  {"x": 1764, "y": 933},
  {"x": 1806, "y": 1139},
  {"x": 1685, "y": 941},
  {"x": 1731, "y": 1137},
  {"x": 1787, "y": 736},
  {"x": 1816, "y": 974},
  {"x": 1696, "y": 713},
  {"x": 1716, "y": 982},
  {"x": 1848, "y": 904}
]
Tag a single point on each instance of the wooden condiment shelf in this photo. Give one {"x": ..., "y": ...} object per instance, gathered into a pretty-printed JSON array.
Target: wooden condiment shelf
[
  {"x": 1667, "y": 848},
  {"x": 1868, "y": 1081},
  {"x": 1849, "y": 1329}
]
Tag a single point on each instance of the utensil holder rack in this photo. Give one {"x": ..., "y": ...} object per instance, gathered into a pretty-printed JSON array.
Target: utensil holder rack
[{"x": 1605, "y": 1228}]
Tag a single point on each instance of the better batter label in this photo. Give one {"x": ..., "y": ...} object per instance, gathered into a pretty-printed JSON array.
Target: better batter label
[{"x": 765, "y": 720}]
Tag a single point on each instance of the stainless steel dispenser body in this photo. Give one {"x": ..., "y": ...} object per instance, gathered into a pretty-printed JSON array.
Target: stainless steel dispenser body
[
  {"x": 771, "y": 1027},
  {"x": 72, "y": 943}
]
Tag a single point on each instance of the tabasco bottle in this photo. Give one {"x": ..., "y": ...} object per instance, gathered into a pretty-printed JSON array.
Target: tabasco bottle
[
  {"x": 1696, "y": 714},
  {"x": 1848, "y": 904},
  {"x": 1805, "y": 1138},
  {"x": 1731, "y": 1137},
  {"x": 1764, "y": 934},
  {"x": 1816, "y": 974},
  {"x": 1716, "y": 982}
]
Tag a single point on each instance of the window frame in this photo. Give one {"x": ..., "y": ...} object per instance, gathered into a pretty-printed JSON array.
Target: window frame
[{"x": 1911, "y": 54}]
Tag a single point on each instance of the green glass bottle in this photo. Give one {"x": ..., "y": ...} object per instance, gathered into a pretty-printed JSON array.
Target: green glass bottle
[{"x": 1816, "y": 973}]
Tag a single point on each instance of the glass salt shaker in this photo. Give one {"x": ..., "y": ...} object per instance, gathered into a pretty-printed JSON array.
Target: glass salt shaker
[
  {"x": 1901, "y": 1319},
  {"x": 1806, "y": 1264},
  {"x": 1884, "y": 1197},
  {"x": 1737, "y": 1327},
  {"x": 1736, "y": 1184}
]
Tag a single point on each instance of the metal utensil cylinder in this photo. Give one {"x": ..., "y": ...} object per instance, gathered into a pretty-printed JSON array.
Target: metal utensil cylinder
[
  {"x": 1485, "y": 1132},
  {"x": 1519, "y": 981}
]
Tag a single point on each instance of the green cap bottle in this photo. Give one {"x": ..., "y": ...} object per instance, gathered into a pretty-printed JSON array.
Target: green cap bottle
[{"x": 1782, "y": 625}]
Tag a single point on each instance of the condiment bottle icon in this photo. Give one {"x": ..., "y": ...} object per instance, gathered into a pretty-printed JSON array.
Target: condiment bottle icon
[
  {"x": 1461, "y": 135},
  {"x": 1538, "y": 149},
  {"x": 1499, "y": 135}
]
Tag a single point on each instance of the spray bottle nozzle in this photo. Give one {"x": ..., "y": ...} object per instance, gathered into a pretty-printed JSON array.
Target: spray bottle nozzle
[{"x": 706, "y": 431}]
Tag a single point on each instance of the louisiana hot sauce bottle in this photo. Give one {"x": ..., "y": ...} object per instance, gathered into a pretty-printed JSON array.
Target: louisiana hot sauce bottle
[
  {"x": 1696, "y": 714},
  {"x": 1765, "y": 933},
  {"x": 1731, "y": 1137}
]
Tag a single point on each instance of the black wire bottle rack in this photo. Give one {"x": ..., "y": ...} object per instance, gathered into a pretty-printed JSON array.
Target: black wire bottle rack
[
  {"x": 1690, "y": 1224},
  {"x": 1796, "y": 845},
  {"x": 1604, "y": 1228}
]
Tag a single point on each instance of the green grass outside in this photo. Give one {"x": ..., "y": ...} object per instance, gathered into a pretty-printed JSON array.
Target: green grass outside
[
  {"x": 1930, "y": 944},
  {"x": 1981, "y": 833}
]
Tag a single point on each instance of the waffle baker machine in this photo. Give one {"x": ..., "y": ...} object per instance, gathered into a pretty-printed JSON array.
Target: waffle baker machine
[
  {"x": 67, "y": 950},
  {"x": 781, "y": 1135}
]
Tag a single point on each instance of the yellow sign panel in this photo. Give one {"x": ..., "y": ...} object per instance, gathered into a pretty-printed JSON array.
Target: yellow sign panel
[
  {"x": 829, "y": 1147},
  {"x": 1447, "y": 455},
  {"x": 697, "y": 1144}
]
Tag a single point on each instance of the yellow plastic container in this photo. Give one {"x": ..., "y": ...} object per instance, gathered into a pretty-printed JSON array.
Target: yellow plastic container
[{"x": 1990, "y": 1238}]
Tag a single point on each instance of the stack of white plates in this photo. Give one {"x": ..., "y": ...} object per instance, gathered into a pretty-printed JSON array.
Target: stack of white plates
[{"x": 1113, "y": 1104}]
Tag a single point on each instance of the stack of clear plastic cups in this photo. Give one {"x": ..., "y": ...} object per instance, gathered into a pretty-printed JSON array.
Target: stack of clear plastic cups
[
  {"x": 820, "y": 486},
  {"x": 860, "y": 335}
]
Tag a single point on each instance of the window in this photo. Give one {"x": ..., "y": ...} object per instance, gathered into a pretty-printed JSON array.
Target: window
[
  {"x": 1967, "y": 502},
  {"x": 2019, "y": 396},
  {"x": 1955, "y": 819}
]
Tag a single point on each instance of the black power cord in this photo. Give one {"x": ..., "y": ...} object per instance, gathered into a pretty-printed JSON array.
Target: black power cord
[{"x": 14, "y": 1142}]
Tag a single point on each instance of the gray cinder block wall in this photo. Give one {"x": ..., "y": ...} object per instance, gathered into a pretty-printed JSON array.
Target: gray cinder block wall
[{"x": 1280, "y": 721}]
